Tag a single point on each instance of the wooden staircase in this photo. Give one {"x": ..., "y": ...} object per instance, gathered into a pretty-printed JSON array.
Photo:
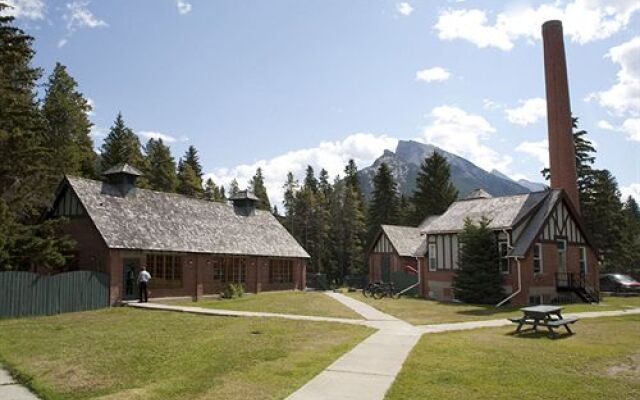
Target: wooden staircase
[{"x": 577, "y": 283}]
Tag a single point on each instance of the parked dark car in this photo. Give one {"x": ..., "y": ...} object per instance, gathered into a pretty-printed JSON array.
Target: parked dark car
[{"x": 618, "y": 283}]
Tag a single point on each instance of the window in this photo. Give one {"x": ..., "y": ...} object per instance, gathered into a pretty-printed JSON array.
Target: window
[
  {"x": 165, "y": 270},
  {"x": 280, "y": 270},
  {"x": 536, "y": 300},
  {"x": 537, "y": 258},
  {"x": 433, "y": 260},
  {"x": 234, "y": 269},
  {"x": 218, "y": 270},
  {"x": 503, "y": 249},
  {"x": 583, "y": 260}
]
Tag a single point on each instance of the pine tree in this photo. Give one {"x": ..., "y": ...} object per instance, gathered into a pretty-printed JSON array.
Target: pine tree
[
  {"x": 383, "y": 208},
  {"x": 354, "y": 221},
  {"x": 189, "y": 183},
  {"x": 260, "y": 191},
  {"x": 290, "y": 188},
  {"x": 26, "y": 173},
  {"x": 192, "y": 158},
  {"x": 212, "y": 192},
  {"x": 234, "y": 188},
  {"x": 68, "y": 127},
  {"x": 434, "y": 190},
  {"x": 161, "y": 167},
  {"x": 121, "y": 146},
  {"x": 478, "y": 281},
  {"x": 405, "y": 211}
]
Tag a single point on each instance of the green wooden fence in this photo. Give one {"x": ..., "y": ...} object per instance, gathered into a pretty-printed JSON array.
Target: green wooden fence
[{"x": 25, "y": 293}]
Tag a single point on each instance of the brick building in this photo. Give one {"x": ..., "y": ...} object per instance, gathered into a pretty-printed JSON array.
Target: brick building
[
  {"x": 546, "y": 252},
  {"x": 191, "y": 247}
]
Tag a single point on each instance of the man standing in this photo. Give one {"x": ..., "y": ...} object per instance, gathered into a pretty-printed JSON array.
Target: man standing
[{"x": 143, "y": 283}]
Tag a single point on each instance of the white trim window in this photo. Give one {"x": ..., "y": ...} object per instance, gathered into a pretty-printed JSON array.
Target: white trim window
[
  {"x": 503, "y": 249},
  {"x": 538, "y": 266},
  {"x": 433, "y": 259},
  {"x": 583, "y": 260}
]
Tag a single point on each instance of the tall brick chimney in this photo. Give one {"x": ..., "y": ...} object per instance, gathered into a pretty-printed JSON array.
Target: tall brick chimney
[{"x": 562, "y": 159}]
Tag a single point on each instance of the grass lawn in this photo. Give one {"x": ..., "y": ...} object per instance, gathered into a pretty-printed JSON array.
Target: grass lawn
[
  {"x": 601, "y": 361},
  {"x": 124, "y": 353},
  {"x": 420, "y": 311},
  {"x": 286, "y": 302}
]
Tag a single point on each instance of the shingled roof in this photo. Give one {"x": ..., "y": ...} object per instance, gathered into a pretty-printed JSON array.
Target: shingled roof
[
  {"x": 504, "y": 212},
  {"x": 405, "y": 239},
  {"x": 150, "y": 220}
]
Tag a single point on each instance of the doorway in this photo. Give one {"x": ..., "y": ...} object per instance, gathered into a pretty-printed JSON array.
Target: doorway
[
  {"x": 386, "y": 268},
  {"x": 130, "y": 270}
]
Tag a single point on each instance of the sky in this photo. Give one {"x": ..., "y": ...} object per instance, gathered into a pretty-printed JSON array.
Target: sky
[{"x": 285, "y": 84}]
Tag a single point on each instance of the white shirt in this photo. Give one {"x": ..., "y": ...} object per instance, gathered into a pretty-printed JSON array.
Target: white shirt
[{"x": 144, "y": 276}]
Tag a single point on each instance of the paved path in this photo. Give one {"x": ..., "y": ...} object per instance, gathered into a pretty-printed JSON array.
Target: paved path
[
  {"x": 11, "y": 390},
  {"x": 232, "y": 313},
  {"x": 369, "y": 369}
]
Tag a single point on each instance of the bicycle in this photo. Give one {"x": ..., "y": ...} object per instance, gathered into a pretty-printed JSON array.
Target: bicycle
[
  {"x": 368, "y": 290},
  {"x": 386, "y": 290}
]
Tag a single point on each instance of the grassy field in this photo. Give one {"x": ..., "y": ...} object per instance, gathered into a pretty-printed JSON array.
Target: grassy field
[
  {"x": 601, "y": 361},
  {"x": 286, "y": 302},
  {"x": 421, "y": 311},
  {"x": 124, "y": 353}
]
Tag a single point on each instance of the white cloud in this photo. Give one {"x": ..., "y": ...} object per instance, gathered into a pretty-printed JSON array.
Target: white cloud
[
  {"x": 631, "y": 190},
  {"x": 464, "y": 134},
  {"x": 184, "y": 7},
  {"x": 491, "y": 105},
  {"x": 529, "y": 112},
  {"x": 404, "y": 8},
  {"x": 91, "y": 104},
  {"x": 79, "y": 16},
  {"x": 584, "y": 21},
  {"x": 364, "y": 148},
  {"x": 433, "y": 74},
  {"x": 631, "y": 128},
  {"x": 623, "y": 98},
  {"x": 157, "y": 135},
  {"x": 25, "y": 9},
  {"x": 539, "y": 150},
  {"x": 606, "y": 125}
]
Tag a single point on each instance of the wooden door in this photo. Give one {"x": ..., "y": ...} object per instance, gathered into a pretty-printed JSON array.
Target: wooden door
[{"x": 130, "y": 271}]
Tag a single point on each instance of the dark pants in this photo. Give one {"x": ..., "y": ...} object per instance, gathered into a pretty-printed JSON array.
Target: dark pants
[{"x": 144, "y": 292}]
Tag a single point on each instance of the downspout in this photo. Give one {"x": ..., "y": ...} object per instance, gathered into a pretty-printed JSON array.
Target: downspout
[{"x": 514, "y": 294}]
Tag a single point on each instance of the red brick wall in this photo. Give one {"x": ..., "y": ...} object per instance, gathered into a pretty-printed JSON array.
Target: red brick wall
[{"x": 91, "y": 251}]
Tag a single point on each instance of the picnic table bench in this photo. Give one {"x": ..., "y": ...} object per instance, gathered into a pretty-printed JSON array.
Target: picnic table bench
[{"x": 549, "y": 317}]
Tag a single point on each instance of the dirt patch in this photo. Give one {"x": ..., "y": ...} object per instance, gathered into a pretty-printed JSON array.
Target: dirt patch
[{"x": 630, "y": 366}]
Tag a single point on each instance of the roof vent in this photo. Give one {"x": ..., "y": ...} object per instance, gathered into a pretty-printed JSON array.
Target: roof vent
[
  {"x": 478, "y": 194},
  {"x": 244, "y": 203},
  {"x": 123, "y": 176}
]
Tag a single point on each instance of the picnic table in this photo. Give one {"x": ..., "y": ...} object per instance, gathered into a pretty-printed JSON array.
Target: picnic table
[{"x": 545, "y": 316}]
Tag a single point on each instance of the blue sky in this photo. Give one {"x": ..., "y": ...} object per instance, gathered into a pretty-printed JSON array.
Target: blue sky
[{"x": 283, "y": 84}]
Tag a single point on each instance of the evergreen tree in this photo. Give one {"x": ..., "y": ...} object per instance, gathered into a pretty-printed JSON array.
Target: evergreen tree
[
  {"x": 67, "y": 126},
  {"x": 192, "y": 158},
  {"x": 605, "y": 220},
  {"x": 190, "y": 174},
  {"x": 258, "y": 188},
  {"x": 323, "y": 183},
  {"x": 383, "y": 208},
  {"x": 161, "y": 167},
  {"x": 478, "y": 280},
  {"x": 290, "y": 188},
  {"x": 354, "y": 222},
  {"x": 26, "y": 173},
  {"x": 405, "y": 211},
  {"x": 212, "y": 192},
  {"x": 121, "y": 146},
  {"x": 233, "y": 187},
  {"x": 434, "y": 190},
  {"x": 189, "y": 183}
]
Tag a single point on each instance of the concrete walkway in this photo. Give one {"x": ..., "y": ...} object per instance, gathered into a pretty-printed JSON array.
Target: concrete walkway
[
  {"x": 11, "y": 390},
  {"x": 369, "y": 369}
]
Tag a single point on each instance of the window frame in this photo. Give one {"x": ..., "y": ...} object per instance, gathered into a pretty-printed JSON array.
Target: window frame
[
  {"x": 583, "y": 260},
  {"x": 280, "y": 270},
  {"x": 504, "y": 260},
  {"x": 166, "y": 270},
  {"x": 539, "y": 258},
  {"x": 433, "y": 256}
]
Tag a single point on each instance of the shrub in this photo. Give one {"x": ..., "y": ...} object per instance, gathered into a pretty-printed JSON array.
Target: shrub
[{"x": 232, "y": 291}]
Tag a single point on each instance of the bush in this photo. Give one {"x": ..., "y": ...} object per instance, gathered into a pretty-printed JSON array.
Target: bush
[{"x": 232, "y": 291}]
